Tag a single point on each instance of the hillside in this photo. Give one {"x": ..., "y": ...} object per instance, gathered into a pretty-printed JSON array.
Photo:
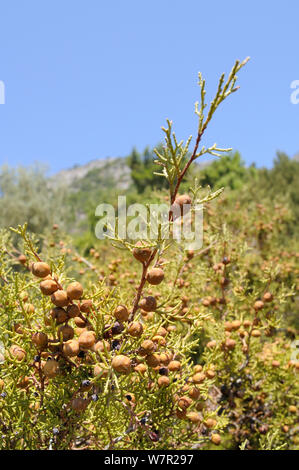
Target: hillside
[{"x": 104, "y": 171}]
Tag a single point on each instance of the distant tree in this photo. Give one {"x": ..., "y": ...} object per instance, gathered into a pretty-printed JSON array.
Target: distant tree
[
  {"x": 143, "y": 168},
  {"x": 282, "y": 180},
  {"x": 229, "y": 172},
  {"x": 27, "y": 196}
]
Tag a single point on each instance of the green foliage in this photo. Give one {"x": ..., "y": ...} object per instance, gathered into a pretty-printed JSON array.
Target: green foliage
[
  {"x": 229, "y": 172},
  {"x": 282, "y": 181}
]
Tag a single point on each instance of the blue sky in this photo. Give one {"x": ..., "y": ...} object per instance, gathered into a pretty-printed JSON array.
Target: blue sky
[{"x": 90, "y": 79}]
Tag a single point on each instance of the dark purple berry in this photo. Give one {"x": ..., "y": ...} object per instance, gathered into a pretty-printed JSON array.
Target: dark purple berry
[
  {"x": 117, "y": 328},
  {"x": 115, "y": 344},
  {"x": 85, "y": 383}
]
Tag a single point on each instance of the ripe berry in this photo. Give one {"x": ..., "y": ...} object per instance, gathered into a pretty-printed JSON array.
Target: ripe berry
[
  {"x": 162, "y": 331},
  {"x": 79, "y": 404},
  {"x": 230, "y": 344},
  {"x": 275, "y": 364},
  {"x": 86, "y": 306},
  {"x": 163, "y": 371},
  {"x": 268, "y": 297},
  {"x": 74, "y": 291},
  {"x": 115, "y": 345},
  {"x": 130, "y": 398},
  {"x": 184, "y": 402},
  {"x": 236, "y": 324},
  {"x": 73, "y": 311},
  {"x": 66, "y": 332},
  {"x": 122, "y": 364},
  {"x": 94, "y": 397},
  {"x": 86, "y": 385},
  {"x": 60, "y": 298},
  {"x": 59, "y": 315},
  {"x": 48, "y": 287},
  {"x": 40, "y": 269},
  {"x": 153, "y": 360},
  {"x": 210, "y": 423},
  {"x": 100, "y": 346},
  {"x": 51, "y": 368},
  {"x": 210, "y": 374},
  {"x": 198, "y": 378},
  {"x": 87, "y": 339},
  {"x": 155, "y": 276},
  {"x": 140, "y": 368},
  {"x": 292, "y": 409},
  {"x": 181, "y": 205},
  {"x": 258, "y": 305},
  {"x": 165, "y": 358},
  {"x": 163, "y": 381},
  {"x": 55, "y": 431},
  {"x": 17, "y": 352},
  {"x": 117, "y": 328},
  {"x": 181, "y": 414},
  {"x": 174, "y": 366},
  {"x": 71, "y": 348},
  {"x": 216, "y": 439},
  {"x": 193, "y": 417},
  {"x": 22, "y": 259},
  {"x": 40, "y": 339},
  {"x": 149, "y": 304},
  {"x": 80, "y": 322},
  {"x": 141, "y": 252},
  {"x": 121, "y": 313},
  {"x": 256, "y": 333},
  {"x": 194, "y": 393},
  {"x": 135, "y": 329}
]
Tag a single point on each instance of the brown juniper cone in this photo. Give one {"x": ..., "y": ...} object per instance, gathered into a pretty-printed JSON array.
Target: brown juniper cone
[
  {"x": 141, "y": 252},
  {"x": 60, "y": 298},
  {"x": 181, "y": 206},
  {"x": 74, "y": 291},
  {"x": 121, "y": 364},
  {"x": 155, "y": 276},
  {"x": 48, "y": 286},
  {"x": 121, "y": 313},
  {"x": 148, "y": 304},
  {"x": 40, "y": 269},
  {"x": 71, "y": 348},
  {"x": 51, "y": 369},
  {"x": 40, "y": 340}
]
